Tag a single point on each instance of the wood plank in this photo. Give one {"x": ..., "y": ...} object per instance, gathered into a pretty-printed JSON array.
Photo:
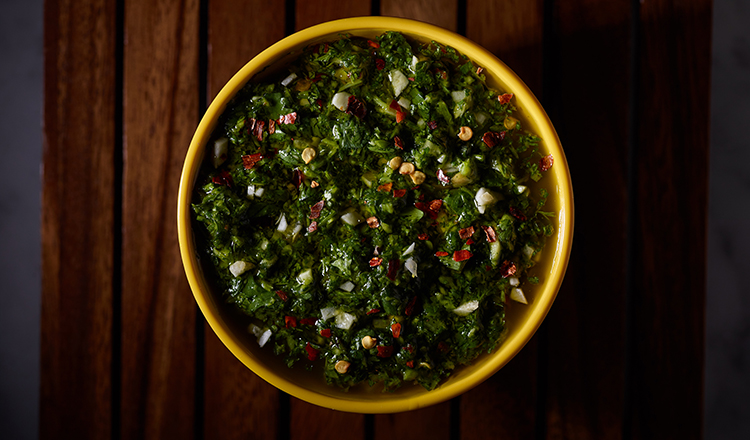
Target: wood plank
[
  {"x": 512, "y": 30},
  {"x": 586, "y": 346},
  {"x": 78, "y": 219},
  {"x": 671, "y": 200},
  {"x": 160, "y": 109},
  {"x": 309, "y": 13},
  {"x": 442, "y": 13},
  {"x": 238, "y": 404}
]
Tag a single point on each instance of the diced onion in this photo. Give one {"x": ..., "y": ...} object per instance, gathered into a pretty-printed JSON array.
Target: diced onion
[
  {"x": 352, "y": 218},
  {"x": 405, "y": 103},
  {"x": 520, "y": 189},
  {"x": 282, "y": 223},
  {"x": 341, "y": 101},
  {"x": 410, "y": 249},
  {"x": 458, "y": 96},
  {"x": 251, "y": 192},
  {"x": 259, "y": 191},
  {"x": 480, "y": 117},
  {"x": 528, "y": 251},
  {"x": 411, "y": 266},
  {"x": 466, "y": 308},
  {"x": 239, "y": 267},
  {"x": 413, "y": 65},
  {"x": 513, "y": 281},
  {"x": 399, "y": 81},
  {"x": 327, "y": 313},
  {"x": 286, "y": 81},
  {"x": 305, "y": 277},
  {"x": 262, "y": 339},
  {"x": 345, "y": 320},
  {"x": 517, "y": 295},
  {"x": 221, "y": 147},
  {"x": 484, "y": 198},
  {"x": 347, "y": 286}
]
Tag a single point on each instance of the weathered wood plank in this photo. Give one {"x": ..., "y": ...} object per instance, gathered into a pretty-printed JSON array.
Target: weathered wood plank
[
  {"x": 313, "y": 12},
  {"x": 442, "y": 13},
  {"x": 78, "y": 219},
  {"x": 160, "y": 109},
  {"x": 671, "y": 198},
  {"x": 238, "y": 404},
  {"x": 512, "y": 30}
]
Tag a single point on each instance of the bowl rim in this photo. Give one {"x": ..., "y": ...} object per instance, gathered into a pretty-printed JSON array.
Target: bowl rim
[{"x": 481, "y": 57}]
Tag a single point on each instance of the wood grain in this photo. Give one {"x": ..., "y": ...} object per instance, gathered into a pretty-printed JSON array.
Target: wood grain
[
  {"x": 160, "y": 111},
  {"x": 442, "y": 13},
  {"x": 587, "y": 96},
  {"x": 312, "y": 12},
  {"x": 671, "y": 199},
  {"x": 238, "y": 404},
  {"x": 78, "y": 219}
]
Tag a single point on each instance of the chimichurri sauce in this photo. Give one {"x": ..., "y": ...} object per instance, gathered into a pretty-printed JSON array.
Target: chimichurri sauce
[{"x": 373, "y": 208}]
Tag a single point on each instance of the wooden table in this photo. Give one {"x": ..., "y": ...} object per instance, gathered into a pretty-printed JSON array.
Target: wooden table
[{"x": 127, "y": 355}]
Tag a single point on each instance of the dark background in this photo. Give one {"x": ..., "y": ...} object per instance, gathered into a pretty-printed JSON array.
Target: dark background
[{"x": 727, "y": 382}]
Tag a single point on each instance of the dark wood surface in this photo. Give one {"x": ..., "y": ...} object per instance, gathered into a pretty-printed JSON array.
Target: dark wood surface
[{"x": 127, "y": 355}]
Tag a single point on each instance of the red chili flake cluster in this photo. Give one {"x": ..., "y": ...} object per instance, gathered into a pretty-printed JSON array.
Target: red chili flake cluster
[
  {"x": 505, "y": 98},
  {"x": 290, "y": 322},
  {"x": 326, "y": 333},
  {"x": 435, "y": 205},
  {"x": 319, "y": 102},
  {"x": 398, "y": 193},
  {"x": 282, "y": 295},
  {"x": 313, "y": 227},
  {"x": 291, "y": 118},
  {"x": 375, "y": 261},
  {"x": 393, "y": 266},
  {"x": 490, "y": 233},
  {"x": 373, "y": 311},
  {"x": 410, "y": 364},
  {"x": 432, "y": 125},
  {"x": 441, "y": 254},
  {"x": 423, "y": 237},
  {"x": 507, "y": 269},
  {"x": 462, "y": 255},
  {"x": 316, "y": 209},
  {"x": 409, "y": 309},
  {"x": 492, "y": 138},
  {"x": 312, "y": 353},
  {"x": 399, "y": 143},
  {"x": 385, "y": 351},
  {"x": 373, "y": 44},
  {"x": 297, "y": 177},
  {"x": 250, "y": 160},
  {"x": 223, "y": 178},
  {"x": 379, "y": 63},
  {"x": 470, "y": 241},
  {"x": 256, "y": 128},
  {"x": 356, "y": 107},
  {"x": 400, "y": 113},
  {"x": 396, "y": 330},
  {"x": 546, "y": 162},
  {"x": 431, "y": 209},
  {"x": 271, "y": 126},
  {"x": 466, "y": 232},
  {"x": 442, "y": 177},
  {"x": 308, "y": 321},
  {"x": 517, "y": 213},
  {"x": 479, "y": 70},
  {"x": 373, "y": 222},
  {"x": 386, "y": 187}
]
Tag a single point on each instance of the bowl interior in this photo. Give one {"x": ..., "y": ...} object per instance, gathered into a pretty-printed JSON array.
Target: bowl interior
[{"x": 523, "y": 320}]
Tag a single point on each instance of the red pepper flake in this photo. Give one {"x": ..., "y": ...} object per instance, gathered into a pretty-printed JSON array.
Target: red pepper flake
[
  {"x": 423, "y": 237},
  {"x": 386, "y": 187},
  {"x": 546, "y": 162},
  {"x": 470, "y": 241},
  {"x": 291, "y": 118},
  {"x": 250, "y": 160},
  {"x": 312, "y": 353},
  {"x": 373, "y": 311},
  {"x": 281, "y": 294},
  {"x": 505, "y": 98},
  {"x": 396, "y": 330},
  {"x": 443, "y": 347},
  {"x": 223, "y": 178},
  {"x": 250, "y": 124},
  {"x": 490, "y": 233},
  {"x": 410, "y": 364},
  {"x": 432, "y": 125},
  {"x": 373, "y": 222},
  {"x": 308, "y": 321},
  {"x": 394, "y": 104},
  {"x": 356, "y": 107},
  {"x": 409, "y": 309},
  {"x": 379, "y": 63},
  {"x": 375, "y": 261},
  {"x": 271, "y": 126},
  {"x": 316, "y": 208},
  {"x": 517, "y": 213},
  {"x": 442, "y": 177},
  {"x": 393, "y": 266},
  {"x": 373, "y": 44},
  {"x": 435, "y": 205},
  {"x": 258, "y": 130},
  {"x": 290, "y": 322},
  {"x": 462, "y": 255},
  {"x": 507, "y": 269},
  {"x": 492, "y": 138},
  {"x": 400, "y": 115},
  {"x": 441, "y": 254},
  {"x": 297, "y": 177},
  {"x": 399, "y": 143},
  {"x": 479, "y": 70},
  {"x": 411, "y": 79},
  {"x": 385, "y": 351},
  {"x": 320, "y": 103},
  {"x": 398, "y": 193},
  {"x": 466, "y": 232},
  {"x": 326, "y": 333}
]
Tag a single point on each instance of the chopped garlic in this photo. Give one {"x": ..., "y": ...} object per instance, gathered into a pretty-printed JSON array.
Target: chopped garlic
[
  {"x": 466, "y": 308},
  {"x": 517, "y": 295},
  {"x": 239, "y": 267}
]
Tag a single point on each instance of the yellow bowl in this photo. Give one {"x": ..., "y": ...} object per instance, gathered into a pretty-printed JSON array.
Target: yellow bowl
[{"x": 522, "y": 320}]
